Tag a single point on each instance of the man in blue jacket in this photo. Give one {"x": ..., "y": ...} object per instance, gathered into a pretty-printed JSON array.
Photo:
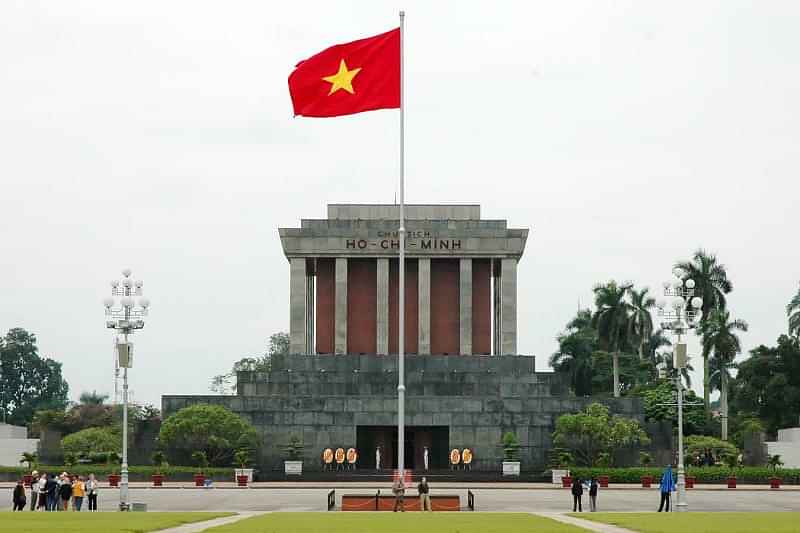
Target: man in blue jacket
[{"x": 667, "y": 487}]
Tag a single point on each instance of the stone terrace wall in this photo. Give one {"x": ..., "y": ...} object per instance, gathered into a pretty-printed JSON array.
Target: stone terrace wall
[{"x": 322, "y": 399}]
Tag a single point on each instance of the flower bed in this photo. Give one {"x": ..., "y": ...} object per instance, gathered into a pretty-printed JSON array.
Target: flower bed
[{"x": 746, "y": 475}]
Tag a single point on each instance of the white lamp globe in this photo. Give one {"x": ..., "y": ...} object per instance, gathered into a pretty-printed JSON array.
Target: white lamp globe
[
  {"x": 144, "y": 302},
  {"x": 138, "y": 284},
  {"x": 677, "y": 284},
  {"x": 108, "y": 302},
  {"x": 666, "y": 285},
  {"x": 697, "y": 302},
  {"x": 127, "y": 283},
  {"x": 690, "y": 284},
  {"x": 127, "y": 301},
  {"x": 677, "y": 272},
  {"x": 126, "y": 272},
  {"x": 678, "y": 302},
  {"x": 114, "y": 283}
]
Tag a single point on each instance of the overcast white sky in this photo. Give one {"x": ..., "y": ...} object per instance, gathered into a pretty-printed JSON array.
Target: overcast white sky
[{"x": 159, "y": 136}]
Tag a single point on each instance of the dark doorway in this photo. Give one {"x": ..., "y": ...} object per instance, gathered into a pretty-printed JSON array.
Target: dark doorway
[{"x": 436, "y": 438}]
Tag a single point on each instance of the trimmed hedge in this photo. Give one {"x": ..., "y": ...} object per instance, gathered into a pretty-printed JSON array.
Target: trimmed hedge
[
  {"x": 135, "y": 472},
  {"x": 706, "y": 474}
]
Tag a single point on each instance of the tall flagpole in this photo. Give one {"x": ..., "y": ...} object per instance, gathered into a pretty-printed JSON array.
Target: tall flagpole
[{"x": 401, "y": 388}]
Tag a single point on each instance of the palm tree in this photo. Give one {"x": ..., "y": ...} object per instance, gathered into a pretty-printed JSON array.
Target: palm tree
[
  {"x": 793, "y": 312},
  {"x": 655, "y": 342},
  {"x": 711, "y": 284},
  {"x": 719, "y": 336},
  {"x": 611, "y": 321},
  {"x": 93, "y": 398},
  {"x": 574, "y": 355},
  {"x": 640, "y": 325}
]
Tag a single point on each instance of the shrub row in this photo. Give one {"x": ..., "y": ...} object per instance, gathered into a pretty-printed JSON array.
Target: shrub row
[
  {"x": 709, "y": 474},
  {"x": 136, "y": 472}
]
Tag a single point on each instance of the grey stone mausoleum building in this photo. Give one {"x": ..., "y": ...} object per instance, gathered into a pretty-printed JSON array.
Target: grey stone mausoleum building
[{"x": 466, "y": 383}]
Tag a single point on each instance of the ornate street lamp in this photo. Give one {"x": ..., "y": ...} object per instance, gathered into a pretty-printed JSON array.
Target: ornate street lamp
[
  {"x": 679, "y": 315},
  {"x": 125, "y": 315}
]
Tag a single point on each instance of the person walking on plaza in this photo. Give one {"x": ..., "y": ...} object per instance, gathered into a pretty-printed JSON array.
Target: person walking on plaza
[
  {"x": 424, "y": 495},
  {"x": 593, "y": 486},
  {"x": 91, "y": 490},
  {"x": 399, "y": 491},
  {"x": 667, "y": 487},
  {"x": 577, "y": 492},
  {"x": 78, "y": 493},
  {"x": 18, "y": 498}
]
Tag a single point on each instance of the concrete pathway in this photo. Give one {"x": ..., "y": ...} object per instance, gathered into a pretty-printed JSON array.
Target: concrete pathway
[
  {"x": 586, "y": 524},
  {"x": 207, "y": 524}
]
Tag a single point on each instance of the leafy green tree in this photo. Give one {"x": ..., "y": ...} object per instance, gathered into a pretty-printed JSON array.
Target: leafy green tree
[
  {"x": 574, "y": 355},
  {"x": 92, "y": 441},
  {"x": 697, "y": 445},
  {"x": 711, "y": 284},
  {"x": 657, "y": 407},
  {"x": 719, "y": 337},
  {"x": 611, "y": 321},
  {"x": 632, "y": 373},
  {"x": 768, "y": 384},
  {"x": 594, "y": 431},
  {"x": 212, "y": 429},
  {"x": 640, "y": 322},
  {"x": 28, "y": 382},
  {"x": 226, "y": 383},
  {"x": 793, "y": 312}
]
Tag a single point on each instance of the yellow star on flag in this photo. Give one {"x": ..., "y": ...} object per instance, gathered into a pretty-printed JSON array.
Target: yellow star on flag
[{"x": 342, "y": 79}]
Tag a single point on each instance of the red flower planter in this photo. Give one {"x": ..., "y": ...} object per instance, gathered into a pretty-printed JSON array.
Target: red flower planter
[
  {"x": 690, "y": 480},
  {"x": 566, "y": 482},
  {"x": 603, "y": 480},
  {"x": 732, "y": 482},
  {"x": 158, "y": 480},
  {"x": 647, "y": 481},
  {"x": 775, "y": 482},
  {"x": 113, "y": 480},
  {"x": 199, "y": 480},
  {"x": 241, "y": 481}
]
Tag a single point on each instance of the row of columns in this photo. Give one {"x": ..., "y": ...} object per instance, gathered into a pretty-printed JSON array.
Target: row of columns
[{"x": 301, "y": 321}]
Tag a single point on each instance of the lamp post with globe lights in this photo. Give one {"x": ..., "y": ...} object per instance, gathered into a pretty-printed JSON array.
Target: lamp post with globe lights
[
  {"x": 125, "y": 315},
  {"x": 679, "y": 315}
]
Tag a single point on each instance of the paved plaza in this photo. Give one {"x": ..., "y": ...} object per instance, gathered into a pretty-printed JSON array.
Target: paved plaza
[{"x": 292, "y": 498}]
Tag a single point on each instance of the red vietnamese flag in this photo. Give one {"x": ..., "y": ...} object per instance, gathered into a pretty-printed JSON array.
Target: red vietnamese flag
[{"x": 349, "y": 78}]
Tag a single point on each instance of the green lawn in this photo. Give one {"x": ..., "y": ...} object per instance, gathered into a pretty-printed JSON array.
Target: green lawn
[
  {"x": 70, "y": 522},
  {"x": 386, "y": 522},
  {"x": 699, "y": 522}
]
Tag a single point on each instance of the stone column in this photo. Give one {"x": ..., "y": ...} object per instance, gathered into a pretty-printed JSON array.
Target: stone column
[
  {"x": 424, "y": 288},
  {"x": 382, "y": 311},
  {"x": 297, "y": 305},
  {"x": 465, "y": 305},
  {"x": 508, "y": 310},
  {"x": 340, "y": 297}
]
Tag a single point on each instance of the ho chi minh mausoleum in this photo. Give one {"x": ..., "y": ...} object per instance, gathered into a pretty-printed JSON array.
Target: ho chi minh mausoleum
[{"x": 466, "y": 383}]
